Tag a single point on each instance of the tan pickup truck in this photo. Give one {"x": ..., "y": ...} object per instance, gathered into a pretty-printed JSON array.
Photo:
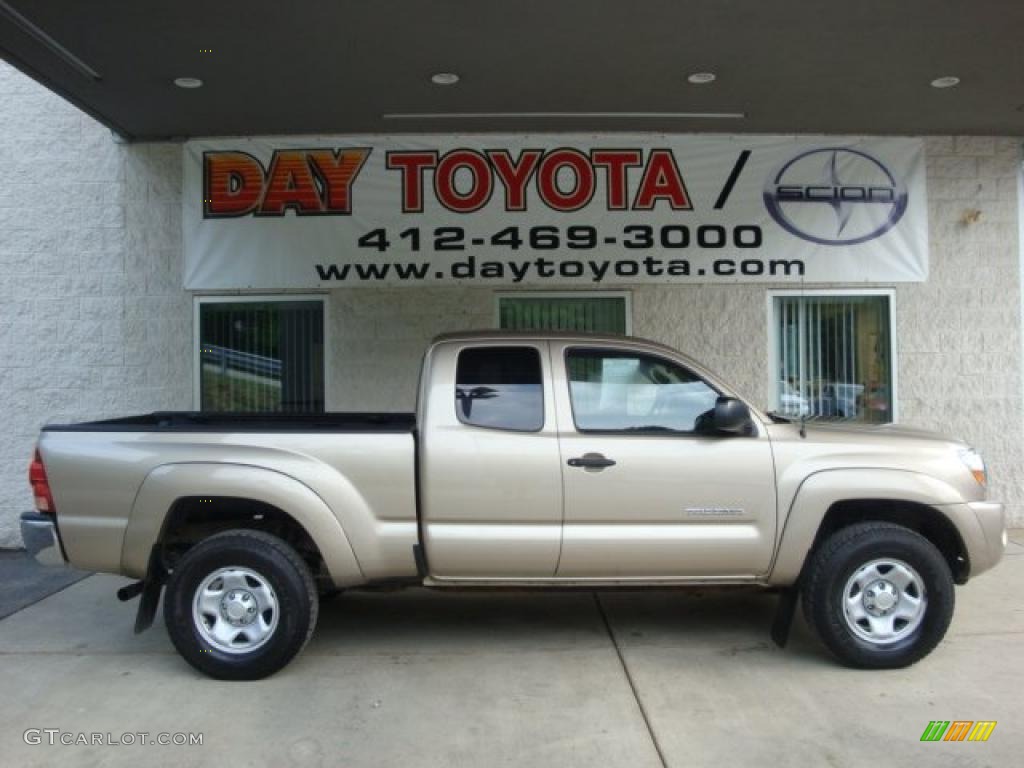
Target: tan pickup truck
[{"x": 543, "y": 460}]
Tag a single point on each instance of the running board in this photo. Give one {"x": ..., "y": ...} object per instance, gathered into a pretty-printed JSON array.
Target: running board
[{"x": 575, "y": 583}]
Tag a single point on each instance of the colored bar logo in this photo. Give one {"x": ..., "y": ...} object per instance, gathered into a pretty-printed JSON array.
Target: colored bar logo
[{"x": 958, "y": 730}]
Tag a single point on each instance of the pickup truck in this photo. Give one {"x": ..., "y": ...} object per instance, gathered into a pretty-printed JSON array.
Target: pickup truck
[{"x": 545, "y": 460}]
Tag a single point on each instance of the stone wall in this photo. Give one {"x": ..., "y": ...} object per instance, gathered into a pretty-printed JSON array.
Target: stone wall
[
  {"x": 93, "y": 319},
  {"x": 959, "y": 334}
]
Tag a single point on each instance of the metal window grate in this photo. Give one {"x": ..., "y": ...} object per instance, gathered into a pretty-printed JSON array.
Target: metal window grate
[
  {"x": 261, "y": 356},
  {"x": 596, "y": 314},
  {"x": 834, "y": 355}
]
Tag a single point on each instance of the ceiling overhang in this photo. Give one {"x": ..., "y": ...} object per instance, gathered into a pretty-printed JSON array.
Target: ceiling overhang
[{"x": 268, "y": 68}]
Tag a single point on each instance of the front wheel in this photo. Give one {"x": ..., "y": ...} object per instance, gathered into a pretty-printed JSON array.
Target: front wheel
[
  {"x": 880, "y": 596},
  {"x": 240, "y": 605}
]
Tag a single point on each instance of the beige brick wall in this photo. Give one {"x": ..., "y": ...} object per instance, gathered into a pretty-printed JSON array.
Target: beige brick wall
[
  {"x": 93, "y": 320},
  {"x": 959, "y": 334},
  {"x": 94, "y": 323}
]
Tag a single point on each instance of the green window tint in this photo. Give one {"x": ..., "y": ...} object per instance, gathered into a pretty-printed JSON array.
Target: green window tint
[
  {"x": 835, "y": 358},
  {"x": 596, "y": 314},
  {"x": 261, "y": 356}
]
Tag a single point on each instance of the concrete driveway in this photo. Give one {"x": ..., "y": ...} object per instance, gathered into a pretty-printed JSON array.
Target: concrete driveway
[{"x": 420, "y": 678}]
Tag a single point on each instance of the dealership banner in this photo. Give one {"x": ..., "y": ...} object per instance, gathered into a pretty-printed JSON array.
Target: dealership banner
[{"x": 585, "y": 210}]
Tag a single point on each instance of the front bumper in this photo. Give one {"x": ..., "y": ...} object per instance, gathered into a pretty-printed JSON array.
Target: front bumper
[
  {"x": 39, "y": 532},
  {"x": 982, "y": 527},
  {"x": 991, "y": 519}
]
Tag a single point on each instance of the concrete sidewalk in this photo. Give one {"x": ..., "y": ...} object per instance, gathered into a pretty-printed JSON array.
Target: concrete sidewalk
[{"x": 420, "y": 678}]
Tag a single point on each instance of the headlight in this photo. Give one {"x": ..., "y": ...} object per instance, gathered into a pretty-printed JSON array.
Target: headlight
[{"x": 973, "y": 461}]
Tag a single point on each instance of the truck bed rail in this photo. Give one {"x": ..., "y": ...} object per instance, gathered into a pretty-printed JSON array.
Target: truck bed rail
[{"x": 199, "y": 421}]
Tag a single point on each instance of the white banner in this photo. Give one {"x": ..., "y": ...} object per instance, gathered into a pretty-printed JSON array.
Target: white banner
[{"x": 275, "y": 213}]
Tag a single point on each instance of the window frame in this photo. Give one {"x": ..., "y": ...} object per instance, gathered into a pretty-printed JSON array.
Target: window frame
[
  {"x": 773, "y": 342},
  {"x": 627, "y": 296},
  {"x": 543, "y": 399},
  {"x": 624, "y": 353},
  {"x": 246, "y": 298}
]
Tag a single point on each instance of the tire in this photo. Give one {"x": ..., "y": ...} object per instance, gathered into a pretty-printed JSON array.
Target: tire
[
  {"x": 240, "y": 605},
  {"x": 879, "y": 596}
]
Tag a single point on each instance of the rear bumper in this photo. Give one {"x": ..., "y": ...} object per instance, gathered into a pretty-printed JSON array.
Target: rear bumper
[{"x": 39, "y": 532}]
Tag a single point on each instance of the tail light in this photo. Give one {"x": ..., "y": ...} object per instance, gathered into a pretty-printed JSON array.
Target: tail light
[{"x": 40, "y": 485}]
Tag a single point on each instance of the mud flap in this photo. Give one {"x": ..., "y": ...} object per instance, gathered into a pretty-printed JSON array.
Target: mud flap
[
  {"x": 149, "y": 588},
  {"x": 784, "y": 612}
]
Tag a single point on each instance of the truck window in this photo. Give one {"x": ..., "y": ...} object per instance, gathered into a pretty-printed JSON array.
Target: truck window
[
  {"x": 500, "y": 388},
  {"x": 627, "y": 391}
]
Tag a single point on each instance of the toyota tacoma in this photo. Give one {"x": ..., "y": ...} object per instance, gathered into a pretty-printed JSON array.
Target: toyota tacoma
[{"x": 544, "y": 460}]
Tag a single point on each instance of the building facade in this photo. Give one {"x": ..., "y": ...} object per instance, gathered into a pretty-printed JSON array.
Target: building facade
[{"x": 95, "y": 321}]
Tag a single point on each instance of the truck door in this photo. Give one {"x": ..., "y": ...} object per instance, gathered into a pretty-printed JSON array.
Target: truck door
[
  {"x": 646, "y": 494},
  {"x": 490, "y": 473}
]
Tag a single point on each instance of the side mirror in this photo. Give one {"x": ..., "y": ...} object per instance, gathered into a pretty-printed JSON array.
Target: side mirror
[{"x": 732, "y": 416}]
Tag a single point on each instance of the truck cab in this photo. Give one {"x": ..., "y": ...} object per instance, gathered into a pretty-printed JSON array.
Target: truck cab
[{"x": 568, "y": 458}]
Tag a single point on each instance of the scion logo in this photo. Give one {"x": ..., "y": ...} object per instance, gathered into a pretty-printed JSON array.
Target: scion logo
[{"x": 865, "y": 199}]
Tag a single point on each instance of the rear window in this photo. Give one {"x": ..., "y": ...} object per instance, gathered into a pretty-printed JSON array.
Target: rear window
[{"x": 500, "y": 388}]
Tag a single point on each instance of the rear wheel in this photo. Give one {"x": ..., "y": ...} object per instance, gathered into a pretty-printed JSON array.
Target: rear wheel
[
  {"x": 240, "y": 605},
  {"x": 880, "y": 596}
]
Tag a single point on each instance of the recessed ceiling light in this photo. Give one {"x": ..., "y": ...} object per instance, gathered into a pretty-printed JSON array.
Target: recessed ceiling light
[
  {"x": 188, "y": 82},
  {"x": 701, "y": 78},
  {"x": 444, "y": 78},
  {"x": 945, "y": 82}
]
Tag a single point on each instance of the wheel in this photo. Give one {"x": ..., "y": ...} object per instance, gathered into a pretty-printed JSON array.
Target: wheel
[
  {"x": 880, "y": 596},
  {"x": 240, "y": 605}
]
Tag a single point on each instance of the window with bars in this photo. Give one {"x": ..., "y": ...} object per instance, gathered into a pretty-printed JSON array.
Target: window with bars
[
  {"x": 262, "y": 355},
  {"x": 834, "y": 357},
  {"x": 565, "y": 312}
]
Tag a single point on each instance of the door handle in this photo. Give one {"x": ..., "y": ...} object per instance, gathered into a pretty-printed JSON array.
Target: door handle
[{"x": 592, "y": 461}]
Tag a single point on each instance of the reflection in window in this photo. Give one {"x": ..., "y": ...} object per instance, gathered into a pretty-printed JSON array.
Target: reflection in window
[
  {"x": 261, "y": 356},
  {"x": 834, "y": 355},
  {"x": 500, "y": 387},
  {"x": 626, "y": 391}
]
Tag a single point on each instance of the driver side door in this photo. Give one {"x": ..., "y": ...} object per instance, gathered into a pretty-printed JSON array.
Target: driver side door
[{"x": 648, "y": 493}]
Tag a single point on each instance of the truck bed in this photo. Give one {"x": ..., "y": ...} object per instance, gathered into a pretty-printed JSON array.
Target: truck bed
[
  {"x": 202, "y": 421},
  {"x": 353, "y": 472}
]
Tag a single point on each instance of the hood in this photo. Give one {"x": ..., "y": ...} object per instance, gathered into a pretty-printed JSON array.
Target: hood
[{"x": 878, "y": 430}]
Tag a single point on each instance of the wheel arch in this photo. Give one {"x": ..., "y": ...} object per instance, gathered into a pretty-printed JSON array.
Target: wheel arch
[
  {"x": 180, "y": 504},
  {"x": 192, "y": 519},
  {"x": 924, "y": 519},
  {"x": 831, "y": 500}
]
